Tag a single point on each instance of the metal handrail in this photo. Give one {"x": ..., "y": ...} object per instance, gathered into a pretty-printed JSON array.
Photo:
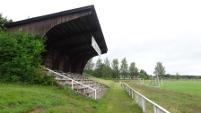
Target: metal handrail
[
  {"x": 155, "y": 105},
  {"x": 73, "y": 81}
]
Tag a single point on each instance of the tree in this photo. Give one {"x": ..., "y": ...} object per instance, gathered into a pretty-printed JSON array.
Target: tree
[
  {"x": 145, "y": 73},
  {"x": 89, "y": 67},
  {"x": 98, "y": 63},
  {"x": 98, "y": 72},
  {"x": 177, "y": 76},
  {"x": 133, "y": 71},
  {"x": 115, "y": 68},
  {"x": 3, "y": 21},
  {"x": 107, "y": 62},
  {"x": 124, "y": 68},
  {"x": 159, "y": 70},
  {"x": 107, "y": 71}
]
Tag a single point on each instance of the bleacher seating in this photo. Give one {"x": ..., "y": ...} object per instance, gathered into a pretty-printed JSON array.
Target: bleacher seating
[{"x": 78, "y": 83}]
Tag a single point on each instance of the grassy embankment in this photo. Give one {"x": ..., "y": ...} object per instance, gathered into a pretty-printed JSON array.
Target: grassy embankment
[
  {"x": 175, "y": 96},
  {"x": 15, "y": 98}
]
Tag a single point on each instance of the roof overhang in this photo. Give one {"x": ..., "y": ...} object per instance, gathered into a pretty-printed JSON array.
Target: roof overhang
[{"x": 69, "y": 33}]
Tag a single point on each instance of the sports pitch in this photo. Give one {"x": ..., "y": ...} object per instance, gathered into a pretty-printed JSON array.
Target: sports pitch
[{"x": 175, "y": 96}]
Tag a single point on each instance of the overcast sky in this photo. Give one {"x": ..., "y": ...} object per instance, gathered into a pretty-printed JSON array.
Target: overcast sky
[{"x": 143, "y": 32}]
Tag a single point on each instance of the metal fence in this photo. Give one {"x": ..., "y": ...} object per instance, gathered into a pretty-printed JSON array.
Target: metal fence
[{"x": 141, "y": 99}]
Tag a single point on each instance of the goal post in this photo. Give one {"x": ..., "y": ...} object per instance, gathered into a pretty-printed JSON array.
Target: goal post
[
  {"x": 140, "y": 81},
  {"x": 156, "y": 81}
]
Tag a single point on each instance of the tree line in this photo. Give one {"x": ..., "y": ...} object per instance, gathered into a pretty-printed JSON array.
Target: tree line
[{"x": 115, "y": 69}]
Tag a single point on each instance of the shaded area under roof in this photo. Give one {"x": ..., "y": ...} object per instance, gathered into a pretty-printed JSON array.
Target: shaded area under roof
[{"x": 68, "y": 35}]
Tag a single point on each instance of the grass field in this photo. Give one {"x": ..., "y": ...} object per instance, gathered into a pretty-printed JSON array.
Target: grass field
[
  {"x": 175, "y": 96},
  {"x": 190, "y": 87},
  {"x": 21, "y": 98}
]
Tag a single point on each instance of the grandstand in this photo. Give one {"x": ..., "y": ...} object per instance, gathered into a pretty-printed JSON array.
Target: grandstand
[{"x": 73, "y": 37}]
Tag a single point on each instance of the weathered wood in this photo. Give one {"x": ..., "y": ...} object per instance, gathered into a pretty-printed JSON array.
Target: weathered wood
[
  {"x": 68, "y": 37},
  {"x": 43, "y": 26}
]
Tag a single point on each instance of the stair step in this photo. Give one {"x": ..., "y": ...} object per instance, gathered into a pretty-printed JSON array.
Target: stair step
[{"x": 82, "y": 85}]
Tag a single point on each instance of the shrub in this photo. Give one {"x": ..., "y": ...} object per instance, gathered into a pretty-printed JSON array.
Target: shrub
[
  {"x": 41, "y": 77},
  {"x": 20, "y": 58}
]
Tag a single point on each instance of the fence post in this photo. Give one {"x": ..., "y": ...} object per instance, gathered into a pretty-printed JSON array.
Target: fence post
[
  {"x": 143, "y": 104},
  {"x": 155, "y": 109},
  {"x": 136, "y": 97},
  {"x": 127, "y": 89},
  {"x": 72, "y": 84},
  {"x": 95, "y": 94},
  {"x": 130, "y": 92},
  {"x": 141, "y": 100}
]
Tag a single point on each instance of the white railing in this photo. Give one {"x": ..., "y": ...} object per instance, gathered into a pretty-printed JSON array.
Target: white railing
[
  {"x": 73, "y": 81},
  {"x": 141, "y": 99}
]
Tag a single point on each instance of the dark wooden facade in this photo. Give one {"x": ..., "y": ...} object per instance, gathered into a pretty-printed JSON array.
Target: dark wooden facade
[{"x": 68, "y": 37}]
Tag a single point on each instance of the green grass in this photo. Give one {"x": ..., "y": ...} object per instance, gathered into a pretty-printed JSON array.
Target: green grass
[
  {"x": 21, "y": 98},
  {"x": 175, "y": 96},
  {"x": 190, "y": 87},
  {"x": 116, "y": 100},
  {"x": 16, "y": 98}
]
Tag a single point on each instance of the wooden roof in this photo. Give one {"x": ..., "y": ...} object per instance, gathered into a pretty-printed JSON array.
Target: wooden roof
[{"x": 68, "y": 32}]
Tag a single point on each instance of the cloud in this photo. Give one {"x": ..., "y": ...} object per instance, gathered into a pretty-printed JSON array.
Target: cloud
[{"x": 144, "y": 32}]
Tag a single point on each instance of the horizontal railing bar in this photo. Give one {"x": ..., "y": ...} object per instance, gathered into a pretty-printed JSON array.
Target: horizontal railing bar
[
  {"x": 158, "y": 106},
  {"x": 73, "y": 81},
  {"x": 70, "y": 79}
]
